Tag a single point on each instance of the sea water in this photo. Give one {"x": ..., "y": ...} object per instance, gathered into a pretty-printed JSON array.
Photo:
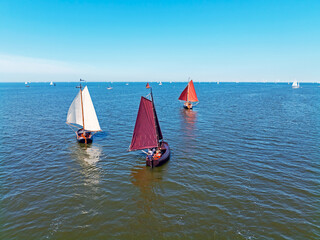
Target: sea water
[{"x": 245, "y": 164}]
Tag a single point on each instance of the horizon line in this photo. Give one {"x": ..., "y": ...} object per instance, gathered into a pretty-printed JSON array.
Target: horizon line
[{"x": 162, "y": 81}]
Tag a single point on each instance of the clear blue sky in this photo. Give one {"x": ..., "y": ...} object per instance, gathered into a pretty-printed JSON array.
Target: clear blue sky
[{"x": 159, "y": 40}]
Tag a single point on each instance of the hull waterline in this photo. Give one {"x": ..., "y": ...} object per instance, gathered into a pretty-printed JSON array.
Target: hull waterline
[{"x": 82, "y": 140}]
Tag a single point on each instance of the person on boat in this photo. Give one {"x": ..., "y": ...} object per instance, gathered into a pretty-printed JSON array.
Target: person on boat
[
  {"x": 83, "y": 133},
  {"x": 87, "y": 134},
  {"x": 157, "y": 155},
  {"x": 150, "y": 152},
  {"x": 188, "y": 105}
]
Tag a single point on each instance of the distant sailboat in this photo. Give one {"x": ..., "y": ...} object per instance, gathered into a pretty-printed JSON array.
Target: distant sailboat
[
  {"x": 82, "y": 113},
  {"x": 189, "y": 95},
  {"x": 160, "y": 83},
  {"x": 27, "y": 84},
  {"x": 147, "y": 134},
  {"x": 295, "y": 84},
  {"x": 52, "y": 84},
  {"x": 109, "y": 87}
]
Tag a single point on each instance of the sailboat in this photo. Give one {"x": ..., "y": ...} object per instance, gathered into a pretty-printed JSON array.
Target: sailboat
[
  {"x": 147, "y": 134},
  {"x": 189, "y": 95},
  {"x": 160, "y": 83},
  {"x": 295, "y": 84},
  {"x": 82, "y": 113},
  {"x": 109, "y": 86},
  {"x": 52, "y": 84},
  {"x": 27, "y": 84}
]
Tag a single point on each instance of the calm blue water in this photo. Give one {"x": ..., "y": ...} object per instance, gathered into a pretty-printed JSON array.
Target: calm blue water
[{"x": 245, "y": 164}]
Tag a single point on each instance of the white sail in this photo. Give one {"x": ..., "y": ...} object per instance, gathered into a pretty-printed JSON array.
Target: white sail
[
  {"x": 91, "y": 122},
  {"x": 90, "y": 117},
  {"x": 295, "y": 84},
  {"x": 51, "y": 83},
  {"x": 74, "y": 114}
]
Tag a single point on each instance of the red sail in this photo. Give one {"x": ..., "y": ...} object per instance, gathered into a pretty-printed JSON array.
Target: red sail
[
  {"x": 192, "y": 93},
  {"x": 189, "y": 93},
  {"x": 184, "y": 94},
  {"x": 144, "y": 134}
]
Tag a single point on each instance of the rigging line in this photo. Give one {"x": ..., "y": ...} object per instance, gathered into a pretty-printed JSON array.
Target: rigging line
[{"x": 72, "y": 128}]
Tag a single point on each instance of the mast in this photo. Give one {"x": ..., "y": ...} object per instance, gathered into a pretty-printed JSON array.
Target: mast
[
  {"x": 85, "y": 139},
  {"x": 155, "y": 119},
  {"x": 81, "y": 104},
  {"x": 155, "y": 124},
  {"x": 188, "y": 93},
  {"x": 188, "y": 89}
]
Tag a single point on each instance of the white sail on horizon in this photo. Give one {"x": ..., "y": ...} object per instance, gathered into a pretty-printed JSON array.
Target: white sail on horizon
[
  {"x": 74, "y": 116},
  {"x": 295, "y": 84}
]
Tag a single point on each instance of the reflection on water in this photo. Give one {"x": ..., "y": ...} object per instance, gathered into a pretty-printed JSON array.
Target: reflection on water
[
  {"x": 87, "y": 156},
  {"x": 188, "y": 121},
  {"x": 147, "y": 180}
]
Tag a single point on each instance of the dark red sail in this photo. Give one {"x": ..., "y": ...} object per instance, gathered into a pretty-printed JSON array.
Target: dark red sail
[{"x": 145, "y": 132}]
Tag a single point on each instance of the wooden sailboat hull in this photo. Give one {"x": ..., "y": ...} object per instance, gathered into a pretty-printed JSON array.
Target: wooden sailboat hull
[
  {"x": 82, "y": 140},
  {"x": 85, "y": 137},
  {"x": 163, "y": 159},
  {"x": 186, "y": 107}
]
